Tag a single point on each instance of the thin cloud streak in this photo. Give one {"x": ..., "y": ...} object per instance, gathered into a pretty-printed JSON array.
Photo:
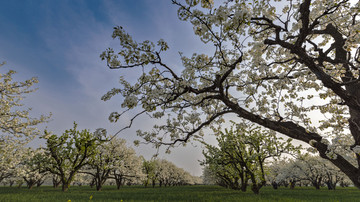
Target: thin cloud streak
[{"x": 72, "y": 76}]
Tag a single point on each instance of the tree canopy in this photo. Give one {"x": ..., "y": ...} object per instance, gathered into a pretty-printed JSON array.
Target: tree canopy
[
  {"x": 242, "y": 154},
  {"x": 15, "y": 120},
  {"x": 17, "y": 127},
  {"x": 68, "y": 153},
  {"x": 292, "y": 67}
]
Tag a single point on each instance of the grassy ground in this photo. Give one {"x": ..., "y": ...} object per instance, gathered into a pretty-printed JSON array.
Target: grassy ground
[{"x": 186, "y": 193}]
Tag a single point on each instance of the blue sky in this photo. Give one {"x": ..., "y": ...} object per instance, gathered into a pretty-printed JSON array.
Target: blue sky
[{"x": 60, "y": 42}]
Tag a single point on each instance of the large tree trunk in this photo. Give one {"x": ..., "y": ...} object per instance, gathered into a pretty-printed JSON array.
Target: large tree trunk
[{"x": 354, "y": 123}]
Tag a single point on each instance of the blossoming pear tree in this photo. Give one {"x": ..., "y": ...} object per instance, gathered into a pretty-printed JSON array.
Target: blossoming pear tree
[
  {"x": 319, "y": 171},
  {"x": 114, "y": 160},
  {"x": 288, "y": 174},
  {"x": 311, "y": 169},
  {"x": 308, "y": 169},
  {"x": 290, "y": 66},
  {"x": 275, "y": 168},
  {"x": 167, "y": 173},
  {"x": 15, "y": 121},
  {"x": 10, "y": 157},
  {"x": 127, "y": 166},
  {"x": 17, "y": 127},
  {"x": 29, "y": 169}
]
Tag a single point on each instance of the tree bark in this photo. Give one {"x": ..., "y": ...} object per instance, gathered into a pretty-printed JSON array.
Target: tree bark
[
  {"x": 65, "y": 186},
  {"x": 274, "y": 185},
  {"x": 98, "y": 187},
  {"x": 292, "y": 185}
]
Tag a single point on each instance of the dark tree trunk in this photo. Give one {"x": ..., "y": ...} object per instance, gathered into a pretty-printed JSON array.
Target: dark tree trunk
[
  {"x": 65, "y": 186},
  {"x": 98, "y": 187},
  {"x": 244, "y": 186},
  {"x": 292, "y": 185},
  {"x": 30, "y": 183},
  {"x": 274, "y": 185},
  {"x": 99, "y": 180},
  {"x": 118, "y": 181},
  {"x": 146, "y": 182},
  {"x": 93, "y": 182},
  {"x": 40, "y": 182},
  {"x": 19, "y": 185},
  {"x": 55, "y": 182},
  {"x": 316, "y": 185},
  {"x": 330, "y": 185}
]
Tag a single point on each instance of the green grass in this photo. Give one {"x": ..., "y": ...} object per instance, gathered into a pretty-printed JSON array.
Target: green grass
[{"x": 185, "y": 193}]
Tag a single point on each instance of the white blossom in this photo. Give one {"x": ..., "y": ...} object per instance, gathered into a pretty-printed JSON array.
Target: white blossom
[
  {"x": 100, "y": 133},
  {"x": 356, "y": 149}
]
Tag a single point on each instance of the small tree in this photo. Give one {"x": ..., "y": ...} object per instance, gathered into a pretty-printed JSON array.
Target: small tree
[
  {"x": 11, "y": 154},
  {"x": 149, "y": 167},
  {"x": 114, "y": 160},
  {"x": 274, "y": 170},
  {"x": 127, "y": 165},
  {"x": 227, "y": 173},
  {"x": 333, "y": 175},
  {"x": 68, "y": 153},
  {"x": 289, "y": 174},
  {"x": 312, "y": 169},
  {"x": 245, "y": 149},
  {"x": 30, "y": 167},
  {"x": 208, "y": 176}
]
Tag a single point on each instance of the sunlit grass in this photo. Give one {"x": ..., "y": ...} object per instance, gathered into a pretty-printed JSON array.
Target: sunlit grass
[{"x": 185, "y": 193}]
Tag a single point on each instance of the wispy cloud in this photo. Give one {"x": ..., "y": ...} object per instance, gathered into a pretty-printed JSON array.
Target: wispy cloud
[{"x": 64, "y": 54}]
